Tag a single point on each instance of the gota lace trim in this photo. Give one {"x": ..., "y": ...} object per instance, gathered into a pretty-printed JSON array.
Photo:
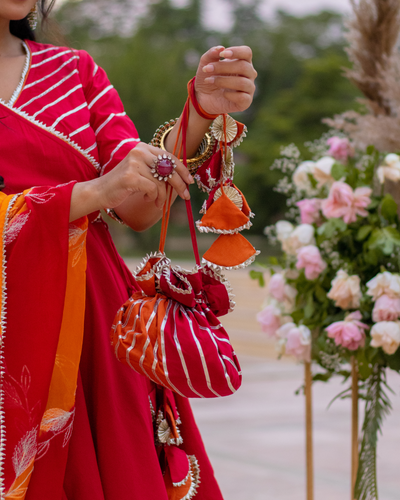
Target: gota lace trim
[
  {"x": 3, "y": 323},
  {"x": 27, "y": 64}
]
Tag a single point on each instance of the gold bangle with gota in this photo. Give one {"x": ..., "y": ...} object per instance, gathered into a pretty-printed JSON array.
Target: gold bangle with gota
[{"x": 204, "y": 152}]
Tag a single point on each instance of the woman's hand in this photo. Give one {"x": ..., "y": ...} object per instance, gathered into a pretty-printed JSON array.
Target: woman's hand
[
  {"x": 227, "y": 85},
  {"x": 129, "y": 179}
]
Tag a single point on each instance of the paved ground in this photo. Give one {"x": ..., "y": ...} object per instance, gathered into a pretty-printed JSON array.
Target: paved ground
[{"x": 255, "y": 438}]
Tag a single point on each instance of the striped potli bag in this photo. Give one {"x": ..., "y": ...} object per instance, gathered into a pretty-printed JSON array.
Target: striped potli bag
[{"x": 169, "y": 331}]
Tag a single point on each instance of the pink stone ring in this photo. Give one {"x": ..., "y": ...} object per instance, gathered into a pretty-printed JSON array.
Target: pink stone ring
[{"x": 163, "y": 167}]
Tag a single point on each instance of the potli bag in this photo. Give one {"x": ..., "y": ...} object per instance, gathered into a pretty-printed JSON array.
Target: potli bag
[{"x": 169, "y": 331}]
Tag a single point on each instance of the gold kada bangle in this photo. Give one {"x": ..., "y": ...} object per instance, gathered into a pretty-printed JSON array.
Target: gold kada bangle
[{"x": 204, "y": 152}]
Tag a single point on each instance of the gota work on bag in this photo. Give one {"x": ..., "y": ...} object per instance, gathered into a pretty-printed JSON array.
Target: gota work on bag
[{"x": 169, "y": 330}]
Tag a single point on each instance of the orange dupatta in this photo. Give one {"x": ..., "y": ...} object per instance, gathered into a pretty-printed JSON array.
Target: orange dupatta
[{"x": 38, "y": 384}]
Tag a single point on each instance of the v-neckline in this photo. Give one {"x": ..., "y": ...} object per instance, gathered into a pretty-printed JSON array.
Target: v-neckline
[{"x": 20, "y": 85}]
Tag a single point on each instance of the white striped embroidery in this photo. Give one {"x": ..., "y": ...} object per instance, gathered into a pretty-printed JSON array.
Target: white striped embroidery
[
  {"x": 108, "y": 120},
  {"x": 104, "y": 91},
  {"x": 58, "y": 100},
  {"x": 95, "y": 69},
  {"x": 80, "y": 129},
  {"x": 44, "y": 50},
  {"x": 63, "y": 137},
  {"x": 71, "y": 112},
  {"x": 51, "y": 74},
  {"x": 116, "y": 149},
  {"x": 91, "y": 148},
  {"x": 49, "y": 89},
  {"x": 51, "y": 58}
]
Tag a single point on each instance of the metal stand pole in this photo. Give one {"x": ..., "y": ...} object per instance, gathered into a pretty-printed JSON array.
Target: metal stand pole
[
  {"x": 354, "y": 425},
  {"x": 309, "y": 431}
]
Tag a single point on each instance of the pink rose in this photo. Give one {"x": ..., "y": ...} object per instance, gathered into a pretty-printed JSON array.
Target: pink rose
[
  {"x": 348, "y": 333},
  {"x": 386, "y": 309},
  {"x": 345, "y": 203},
  {"x": 340, "y": 148},
  {"x": 309, "y": 210},
  {"x": 298, "y": 343},
  {"x": 276, "y": 287},
  {"x": 309, "y": 259},
  {"x": 270, "y": 320}
]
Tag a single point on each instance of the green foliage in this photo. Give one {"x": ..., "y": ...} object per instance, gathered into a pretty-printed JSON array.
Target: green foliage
[
  {"x": 376, "y": 409},
  {"x": 299, "y": 79}
]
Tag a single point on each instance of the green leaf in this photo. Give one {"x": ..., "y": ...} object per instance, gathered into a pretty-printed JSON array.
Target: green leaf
[
  {"x": 388, "y": 208},
  {"x": 338, "y": 171},
  {"x": 313, "y": 182},
  {"x": 363, "y": 232},
  {"x": 322, "y": 377},
  {"x": 371, "y": 150},
  {"x": 310, "y": 308},
  {"x": 257, "y": 275},
  {"x": 273, "y": 261}
]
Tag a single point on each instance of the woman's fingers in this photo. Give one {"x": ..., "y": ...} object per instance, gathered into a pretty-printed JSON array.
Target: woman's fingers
[{"x": 225, "y": 67}]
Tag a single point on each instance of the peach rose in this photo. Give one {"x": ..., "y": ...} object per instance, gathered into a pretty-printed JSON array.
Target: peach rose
[
  {"x": 386, "y": 334},
  {"x": 271, "y": 318},
  {"x": 348, "y": 333},
  {"x": 340, "y": 148},
  {"x": 309, "y": 210},
  {"x": 384, "y": 284},
  {"x": 322, "y": 172},
  {"x": 343, "y": 203},
  {"x": 386, "y": 309},
  {"x": 390, "y": 169},
  {"x": 345, "y": 290},
  {"x": 309, "y": 259}
]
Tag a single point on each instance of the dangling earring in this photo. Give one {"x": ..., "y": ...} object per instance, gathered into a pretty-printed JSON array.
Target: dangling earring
[{"x": 33, "y": 17}]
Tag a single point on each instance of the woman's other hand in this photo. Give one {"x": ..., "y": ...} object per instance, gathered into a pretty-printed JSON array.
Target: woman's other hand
[
  {"x": 225, "y": 85},
  {"x": 128, "y": 185}
]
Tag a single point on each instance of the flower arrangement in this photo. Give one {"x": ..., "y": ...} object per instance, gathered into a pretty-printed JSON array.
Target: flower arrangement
[{"x": 333, "y": 296}]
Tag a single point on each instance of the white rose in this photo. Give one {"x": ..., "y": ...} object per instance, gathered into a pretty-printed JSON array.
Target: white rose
[
  {"x": 283, "y": 230},
  {"x": 300, "y": 176},
  {"x": 302, "y": 236},
  {"x": 390, "y": 169},
  {"x": 384, "y": 284},
  {"x": 386, "y": 334},
  {"x": 322, "y": 171}
]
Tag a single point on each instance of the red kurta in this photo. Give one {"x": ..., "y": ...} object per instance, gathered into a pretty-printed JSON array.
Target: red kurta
[{"x": 67, "y": 103}]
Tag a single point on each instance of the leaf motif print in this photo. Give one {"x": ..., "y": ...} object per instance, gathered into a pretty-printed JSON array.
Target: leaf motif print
[
  {"x": 41, "y": 198},
  {"x": 25, "y": 452},
  {"x": 25, "y": 379},
  {"x": 54, "y": 419},
  {"x": 15, "y": 227},
  {"x": 12, "y": 398},
  {"x": 76, "y": 242}
]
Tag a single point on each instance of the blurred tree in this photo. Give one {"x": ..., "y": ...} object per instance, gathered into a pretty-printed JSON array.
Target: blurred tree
[{"x": 299, "y": 63}]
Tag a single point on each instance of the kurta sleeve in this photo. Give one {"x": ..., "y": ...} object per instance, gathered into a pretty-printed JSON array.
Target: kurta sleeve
[{"x": 115, "y": 132}]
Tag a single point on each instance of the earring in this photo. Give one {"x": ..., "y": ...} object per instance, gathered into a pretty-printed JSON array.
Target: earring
[{"x": 33, "y": 17}]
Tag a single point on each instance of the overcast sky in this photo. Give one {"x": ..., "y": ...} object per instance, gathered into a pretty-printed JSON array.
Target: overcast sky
[{"x": 216, "y": 12}]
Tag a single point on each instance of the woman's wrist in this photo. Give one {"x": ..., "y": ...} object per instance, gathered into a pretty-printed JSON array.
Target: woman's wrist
[{"x": 85, "y": 199}]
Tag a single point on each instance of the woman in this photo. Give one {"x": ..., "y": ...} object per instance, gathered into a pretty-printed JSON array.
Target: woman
[{"x": 76, "y": 423}]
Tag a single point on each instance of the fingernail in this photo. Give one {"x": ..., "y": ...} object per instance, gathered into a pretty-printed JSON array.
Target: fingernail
[
  {"x": 191, "y": 180},
  {"x": 209, "y": 68},
  {"x": 226, "y": 53},
  {"x": 186, "y": 194},
  {"x": 209, "y": 79}
]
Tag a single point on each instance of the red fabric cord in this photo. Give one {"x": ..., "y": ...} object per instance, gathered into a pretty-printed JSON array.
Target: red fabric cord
[{"x": 192, "y": 96}]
